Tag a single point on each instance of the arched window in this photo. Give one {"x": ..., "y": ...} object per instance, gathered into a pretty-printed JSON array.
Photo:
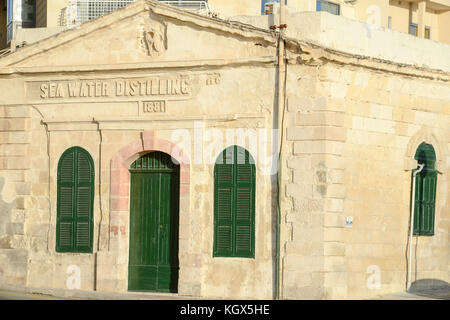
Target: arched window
[
  {"x": 425, "y": 191},
  {"x": 234, "y": 204},
  {"x": 75, "y": 202}
]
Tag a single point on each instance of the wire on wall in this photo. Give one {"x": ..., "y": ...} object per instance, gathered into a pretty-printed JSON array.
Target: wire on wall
[
  {"x": 47, "y": 134},
  {"x": 99, "y": 199}
]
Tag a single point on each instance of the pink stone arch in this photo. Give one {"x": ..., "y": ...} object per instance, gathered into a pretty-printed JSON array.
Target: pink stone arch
[{"x": 120, "y": 184}]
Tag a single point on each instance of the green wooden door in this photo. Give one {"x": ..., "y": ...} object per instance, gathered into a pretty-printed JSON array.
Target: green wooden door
[
  {"x": 153, "y": 258},
  {"x": 425, "y": 192}
]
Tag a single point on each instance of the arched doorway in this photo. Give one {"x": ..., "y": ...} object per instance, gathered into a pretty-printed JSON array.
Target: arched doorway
[{"x": 154, "y": 211}]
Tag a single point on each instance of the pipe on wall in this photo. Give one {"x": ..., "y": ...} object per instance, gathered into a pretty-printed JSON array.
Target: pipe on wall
[
  {"x": 280, "y": 112},
  {"x": 416, "y": 171}
]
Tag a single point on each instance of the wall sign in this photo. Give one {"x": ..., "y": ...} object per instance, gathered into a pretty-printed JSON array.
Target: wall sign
[
  {"x": 157, "y": 88},
  {"x": 48, "y": 90},
  {"x": 349, "y": 221}
]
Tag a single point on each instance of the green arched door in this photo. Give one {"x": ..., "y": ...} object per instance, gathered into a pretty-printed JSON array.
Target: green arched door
[
  {"x": 154, "y": 206},
  {"x": 425, "y": 197}
]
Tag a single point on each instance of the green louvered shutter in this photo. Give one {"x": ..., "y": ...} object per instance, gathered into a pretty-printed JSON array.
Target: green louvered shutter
[
  {"x": 425, "y": 201},
  {"x": 425, "y": 192},
  {"x": 234, "y": 198},
  {"x": 428, "y": 203},
  {"x": 85, "y": 195},
  {"x": 74, "y": 228},
  {"x": 66, "y": 196},
  {"x": 223, "y": 210}
]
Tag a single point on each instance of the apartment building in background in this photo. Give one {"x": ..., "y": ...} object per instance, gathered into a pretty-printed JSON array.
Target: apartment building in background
[
  {"x": 27, "y": 21},
  {"x": 157, "y": 149}
]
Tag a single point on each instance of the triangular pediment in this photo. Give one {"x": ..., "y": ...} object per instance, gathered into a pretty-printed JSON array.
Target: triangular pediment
[{"x": 145, "y": 32}]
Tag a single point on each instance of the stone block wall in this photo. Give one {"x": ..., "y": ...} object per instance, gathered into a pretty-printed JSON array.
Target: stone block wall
[
  {"x": 313, "y": 259},
  {"x": 388, "y": 116},
  {"x": 14, "y": 192},
  {"x": 349, "y": 151}
]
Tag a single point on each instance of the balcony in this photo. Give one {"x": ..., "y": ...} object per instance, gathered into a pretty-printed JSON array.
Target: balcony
[
  {"x": 201, "y": 7},
  {"x": 438, "y": 5},
  {"x": 80, "y": 11}
]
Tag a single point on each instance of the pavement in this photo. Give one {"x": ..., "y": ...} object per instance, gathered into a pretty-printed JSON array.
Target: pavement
[
  {"x": 410, "y": 296},
  {"x": 15, "y": 295},
  {"x": 423, "y": 294},
  {"x": 24, "y": 293}
]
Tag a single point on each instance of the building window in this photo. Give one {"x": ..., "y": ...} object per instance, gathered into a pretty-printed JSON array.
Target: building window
[
  {"x": 413, "y": 29},
  {"x": 269, "y": 7},
  {"x": 9, "y": 12},
  {"x": 234, "y": 204},
  {"x": 333, "y": 8},
  {"x": 425, "y": 191},
  {"x": 427, "y": 33},
  {"x": 75, "y": 201}
]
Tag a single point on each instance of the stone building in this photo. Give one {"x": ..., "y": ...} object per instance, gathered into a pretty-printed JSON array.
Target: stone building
[{"x": 140, "y": 152}]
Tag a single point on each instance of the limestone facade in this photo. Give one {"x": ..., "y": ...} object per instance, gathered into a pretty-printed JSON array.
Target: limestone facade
[
  {"x": 350, "y": 150},
  {"x": 150, "y": 77}
]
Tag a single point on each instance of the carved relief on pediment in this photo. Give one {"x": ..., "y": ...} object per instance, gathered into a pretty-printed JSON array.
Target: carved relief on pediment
[{"x": 153, "y": 38}]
